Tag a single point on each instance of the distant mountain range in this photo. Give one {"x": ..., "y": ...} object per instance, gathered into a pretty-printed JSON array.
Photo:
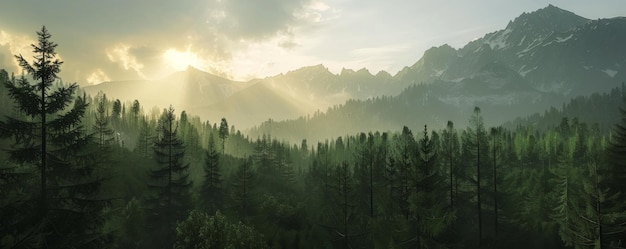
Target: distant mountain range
[{"x": 540, "y": 59}]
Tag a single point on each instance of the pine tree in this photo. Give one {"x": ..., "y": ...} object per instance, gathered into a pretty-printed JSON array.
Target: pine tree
[
  {"x": 342, "y": 195},
  {"x": 117, "y": 110},
  {"x": 567, "y": 193},
  {"x": 211, "y": 188},
  {"x": 242, "y": 186},
  {"x": 104, "y": 134},
  {"x": 450, "y": 147},
  {"x": 169, "y": 181},
  {"x": 59, "y": 205},
  {"x": 616, "y": 150},
  {"x": 144, "y": 139},
  {"x": 406, "y": 148},
  {"x": 476, "y": 144},
  {"x": 223, "y": 132},
  {"x": 427, "y": 202},
  {"x": 495, "y": 135}
]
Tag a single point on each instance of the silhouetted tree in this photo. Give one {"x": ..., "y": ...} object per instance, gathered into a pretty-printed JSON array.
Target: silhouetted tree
[
  {"x": 211, "y": 188},
  {"x": 103, "y": 132},
  {"x": 117, "y": 110},
  {"x": 223, "y": 131},
  {"x": 168, "y": 181},
  {"x": 59, "y": 204}
]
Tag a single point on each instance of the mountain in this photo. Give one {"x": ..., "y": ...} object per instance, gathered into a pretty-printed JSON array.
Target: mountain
[
  {"x": 279, "y": 97},
  {"x": 188, "y": 88},
  {"x": 540, "y": 59}
]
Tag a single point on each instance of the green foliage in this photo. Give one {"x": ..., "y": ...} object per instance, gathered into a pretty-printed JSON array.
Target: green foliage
[
  {"x": 223, "y": 131},
  {"x": 212, "y": 192},
  {"x": 169, "y": 181},
  {"x": 201, "y": 231}
]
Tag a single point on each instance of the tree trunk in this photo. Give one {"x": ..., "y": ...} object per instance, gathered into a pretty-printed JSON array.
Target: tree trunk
[{"x": 44, "y": 160}]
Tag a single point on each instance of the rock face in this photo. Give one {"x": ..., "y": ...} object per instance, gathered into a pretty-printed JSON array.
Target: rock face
[{"x": 539, "y": 59}]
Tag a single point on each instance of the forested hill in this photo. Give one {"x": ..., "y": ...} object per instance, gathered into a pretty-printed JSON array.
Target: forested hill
[
  {"x": 598, "y": 109},
  {"x": 416, "y": 106}
]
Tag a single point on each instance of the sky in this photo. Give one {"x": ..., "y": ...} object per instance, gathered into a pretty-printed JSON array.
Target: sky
[{"x": 245, "y": 39}]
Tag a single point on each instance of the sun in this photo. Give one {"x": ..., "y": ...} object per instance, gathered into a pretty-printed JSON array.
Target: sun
[{"x": 178, "y": 60}]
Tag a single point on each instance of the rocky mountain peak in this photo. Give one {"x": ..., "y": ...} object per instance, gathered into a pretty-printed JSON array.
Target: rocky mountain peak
[{"x": 547, "y": 20}]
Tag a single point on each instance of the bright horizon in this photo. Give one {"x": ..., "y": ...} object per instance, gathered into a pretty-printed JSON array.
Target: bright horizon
[{"x": 241, "y": 40}]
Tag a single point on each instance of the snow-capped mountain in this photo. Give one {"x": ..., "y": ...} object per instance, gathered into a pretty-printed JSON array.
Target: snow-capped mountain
[{"x": 553, "y": 50}]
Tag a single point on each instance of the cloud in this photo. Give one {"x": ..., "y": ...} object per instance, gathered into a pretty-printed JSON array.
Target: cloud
[
  {"x": 97, "y": 77},
  {"x": 254, "y": 20},
  {"x": 11, "y": 45},
  {"x": 121, "y": 55},
  {"x": 130, "y": 42}
]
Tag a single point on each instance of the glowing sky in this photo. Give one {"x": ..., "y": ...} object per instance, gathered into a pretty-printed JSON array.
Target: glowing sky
[{"x": 243, "y": 39}]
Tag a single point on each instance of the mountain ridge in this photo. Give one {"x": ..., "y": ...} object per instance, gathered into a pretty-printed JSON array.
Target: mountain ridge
[{"x": 542, "y": 54}]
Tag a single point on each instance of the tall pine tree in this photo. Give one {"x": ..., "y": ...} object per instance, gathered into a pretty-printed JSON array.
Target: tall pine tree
[
  {"x": 212, "y": 194},
  {"x": 169, "y": 182},
  {"x": 59, "y": 205}
]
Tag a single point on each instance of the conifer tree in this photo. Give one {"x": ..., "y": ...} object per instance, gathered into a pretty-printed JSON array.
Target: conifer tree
[
  {"x": 59, "y": 205},
  {"x": 427, "y": 202},
  {"x": 241, "y": 187},
  {"x": 104, "y": 134},
  {"x": 144, "y": 139},
  {"x": 169, "y": 181},
  {"x": 342, "y": 195},
  {"x": 616, "y": 150},
  {"x": 117, "y": 110},
  {"x": 476, "y": 144},
  {"x": 404, "y": 162},
  {"x": 495, "y": 135},
  {"x": 211, "y": 188},
  {"x": 450, "y": 147},
  {"x": 223, "y": 132}
]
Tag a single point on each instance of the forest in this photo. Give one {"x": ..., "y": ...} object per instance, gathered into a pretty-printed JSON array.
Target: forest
[{"x": 79, "y": 171}]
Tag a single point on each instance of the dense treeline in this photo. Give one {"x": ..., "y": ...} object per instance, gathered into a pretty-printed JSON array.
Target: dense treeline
[
  {"x": 418, "y": 104},
  {"x": 108, "y": 174},
  {"x": 595, "y": 109}
]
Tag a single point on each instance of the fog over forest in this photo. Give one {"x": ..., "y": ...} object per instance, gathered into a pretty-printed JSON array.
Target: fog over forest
[{"x": 253, "y": 131}]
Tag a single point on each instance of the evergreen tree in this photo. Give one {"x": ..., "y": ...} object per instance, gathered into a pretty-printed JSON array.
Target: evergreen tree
[
  {"x": 495, "y": 135},
  {"x": 169, "y": 182},
  {"x": 211, "y": 188},
  {"x": 241, "y": 187},
  {"x": 343, "y": 212},
  {"x": 223, "y": 132},
  {"x": 136, "y": 109},
  {"x": 104, "y": 134},
  {"x": 427, "y": 202},
  {"x": 59, "y": 204},
  {"x": 450, "y": 147},
  {"x": 616, "y": 150},
  {"x": 477, "y": 145},
  {"x": 117, "y": 110},
  {"x": 144, "y": 139},
  {"x": 406, "y": 149}
]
